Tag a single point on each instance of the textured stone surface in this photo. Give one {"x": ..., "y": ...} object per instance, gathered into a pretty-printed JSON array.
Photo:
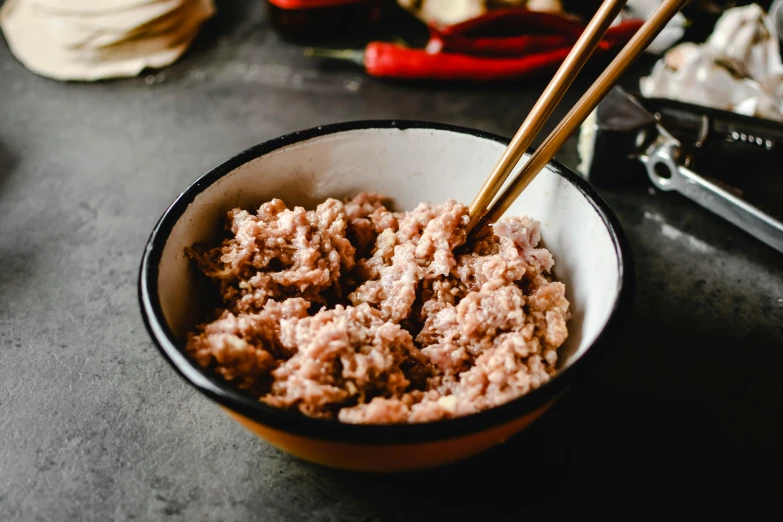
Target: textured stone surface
[{"x": 94, "y": 425}]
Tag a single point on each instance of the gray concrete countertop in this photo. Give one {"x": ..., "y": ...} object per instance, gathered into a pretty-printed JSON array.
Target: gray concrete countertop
[{"x": 686, "y": 411}]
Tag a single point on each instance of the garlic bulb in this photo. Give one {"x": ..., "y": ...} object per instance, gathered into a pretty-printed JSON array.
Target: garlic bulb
[{"x": 738, "y": 68}]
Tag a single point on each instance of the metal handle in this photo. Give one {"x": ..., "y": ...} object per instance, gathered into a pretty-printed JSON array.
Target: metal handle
[{"x": 660, "y": 160}]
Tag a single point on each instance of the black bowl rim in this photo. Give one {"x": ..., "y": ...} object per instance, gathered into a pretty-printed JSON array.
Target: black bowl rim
[{"x": 330, "y": 430}]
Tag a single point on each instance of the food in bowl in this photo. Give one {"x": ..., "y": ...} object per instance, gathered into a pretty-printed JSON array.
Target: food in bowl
[
  {"x": 410, "y": 162},
  {"x": 357, "y": 313}
]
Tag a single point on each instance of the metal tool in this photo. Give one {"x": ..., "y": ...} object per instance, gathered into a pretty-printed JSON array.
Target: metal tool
[
  {"x": 663, "y": 169},
  {"x": 624, "y": 133}
]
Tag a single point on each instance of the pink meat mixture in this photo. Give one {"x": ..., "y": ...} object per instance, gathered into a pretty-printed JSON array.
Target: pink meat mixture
[{"x": 354, "y": 312}]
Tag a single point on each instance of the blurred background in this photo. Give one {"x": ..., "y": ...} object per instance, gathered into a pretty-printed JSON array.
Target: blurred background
[{"x": 110, "y": 108}]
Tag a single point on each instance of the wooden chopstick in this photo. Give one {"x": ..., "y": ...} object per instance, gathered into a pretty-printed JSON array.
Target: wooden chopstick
[
  {"x": 586, "y": 104},
  {"x": 545, "y": 105}
]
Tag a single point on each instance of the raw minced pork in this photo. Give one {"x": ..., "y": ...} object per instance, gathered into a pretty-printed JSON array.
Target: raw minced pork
[{"x": 357, "y": 313}]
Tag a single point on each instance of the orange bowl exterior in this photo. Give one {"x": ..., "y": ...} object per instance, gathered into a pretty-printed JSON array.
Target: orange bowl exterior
[{"x": 388, "y": 458}]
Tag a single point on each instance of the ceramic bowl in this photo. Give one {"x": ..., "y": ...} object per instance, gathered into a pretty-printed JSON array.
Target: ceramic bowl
[{"x": 410, "y": 162}]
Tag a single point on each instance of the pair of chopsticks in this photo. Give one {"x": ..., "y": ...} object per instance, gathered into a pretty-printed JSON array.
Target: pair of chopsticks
[{"x": 483, "y": 210}]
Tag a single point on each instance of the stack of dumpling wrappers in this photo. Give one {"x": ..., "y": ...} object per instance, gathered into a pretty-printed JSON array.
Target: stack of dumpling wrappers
[{"x": 91, "y": 40}]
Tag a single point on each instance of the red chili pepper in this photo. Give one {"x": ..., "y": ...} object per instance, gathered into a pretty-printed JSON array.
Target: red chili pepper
[
  {"x": 620, "y": 34},
  {"x": 311, "y": 4},
  {"x": 506, "y": 46},
  {"x": 532, "y": 32},
  {"x": 512, "y": 22},
  {"x": 385, "y": 60}
]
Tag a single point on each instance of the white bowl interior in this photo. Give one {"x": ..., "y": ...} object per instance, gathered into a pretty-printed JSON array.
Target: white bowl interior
[{"x": 409, "y": 166}]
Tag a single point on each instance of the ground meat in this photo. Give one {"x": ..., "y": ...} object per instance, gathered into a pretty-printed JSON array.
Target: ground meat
[
  {"x": 357, "y": 313},
  {"x": 280, "y": 253}
]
